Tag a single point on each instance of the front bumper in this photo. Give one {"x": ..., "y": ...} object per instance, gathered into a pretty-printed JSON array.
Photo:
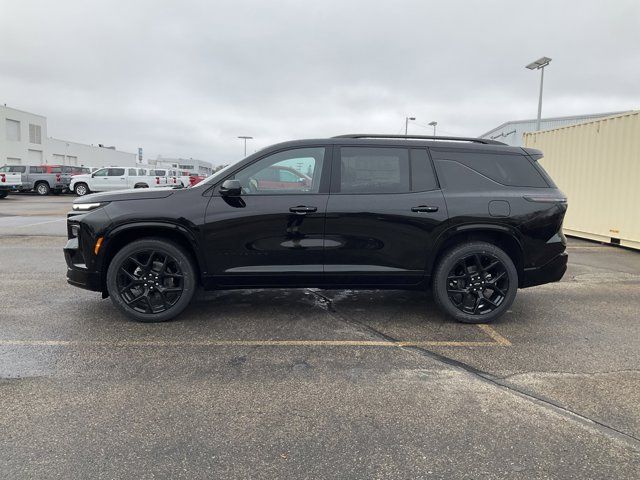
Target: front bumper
[
  {"x": 552, "y": 271},
  {"x": 78, "y": 274}
]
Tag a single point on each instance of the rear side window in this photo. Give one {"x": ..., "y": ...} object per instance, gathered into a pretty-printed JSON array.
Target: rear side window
[
  {"x": 422, "y": 176},
  {"x": 506, "y": 169},
  {"x": 374, "y": 170},
  {"x": 116, "y": 172},
  {"x": 133, "y": 172},
  {"x": 56, "y": 169},
  {"x": 36, "y": 169}
]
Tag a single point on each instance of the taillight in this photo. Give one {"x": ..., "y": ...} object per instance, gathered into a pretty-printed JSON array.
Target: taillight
[
  {"x": 3, "y": 178},
  {"x": 157, "y": 180},
  {"x": 57, "y": 177}
]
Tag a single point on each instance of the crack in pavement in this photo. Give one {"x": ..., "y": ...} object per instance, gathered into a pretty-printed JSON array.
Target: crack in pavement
[{"x": 487, "y": 377}]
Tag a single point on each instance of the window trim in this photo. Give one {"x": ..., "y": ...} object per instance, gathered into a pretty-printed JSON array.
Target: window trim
[{"x": 325, "y": 178}]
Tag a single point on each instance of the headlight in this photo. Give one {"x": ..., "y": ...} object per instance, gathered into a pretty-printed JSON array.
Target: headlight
[
  {"x": 85, "y": 207},
  {"x": 74, "y": 229}
]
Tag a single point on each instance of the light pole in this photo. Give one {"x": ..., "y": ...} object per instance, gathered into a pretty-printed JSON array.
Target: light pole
[
  {"x": 433, "y": 124},
  {"x": 245, "y": 138},
  {"x": 539, "y": 65},
  {"x": 406, "y": 123}
]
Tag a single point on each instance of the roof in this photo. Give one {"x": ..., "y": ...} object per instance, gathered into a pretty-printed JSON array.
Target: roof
[{"x": 553, "y": 119}]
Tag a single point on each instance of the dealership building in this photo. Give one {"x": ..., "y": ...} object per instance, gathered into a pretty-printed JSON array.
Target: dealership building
[
  {"x": 24, "y": 140},
  {"x": 192, "y": 165}
]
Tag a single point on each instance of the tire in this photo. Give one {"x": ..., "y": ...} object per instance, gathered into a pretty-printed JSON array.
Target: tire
[
  {"x": 141, "y": 185},
  {"x": 3, "y": 193},
  {"x": 135, "y": 265},
  {"x": 472, "y": 294},
  {"x": 81, "y": 189},
  {"x": 42, "y": 188}
]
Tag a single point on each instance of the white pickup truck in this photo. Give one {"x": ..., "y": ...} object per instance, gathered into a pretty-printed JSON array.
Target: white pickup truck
[
  {"x": 170, "y": 177},
  {"x": 9, "y": 182},
  {"x": 114, "y": 178}
]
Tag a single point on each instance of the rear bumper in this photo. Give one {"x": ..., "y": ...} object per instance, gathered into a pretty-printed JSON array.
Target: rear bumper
[
  {"x": 77, "y": 273},
  {"x": 552, "y": 271}
]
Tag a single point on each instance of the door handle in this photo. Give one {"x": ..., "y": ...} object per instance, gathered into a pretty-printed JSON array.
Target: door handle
[
  {"x": 424, "y": 208},
  {"x": 302, "y": 210}
]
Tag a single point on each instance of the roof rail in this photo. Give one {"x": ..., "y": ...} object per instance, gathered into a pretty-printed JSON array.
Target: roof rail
[{"x": 484, "y": 141}]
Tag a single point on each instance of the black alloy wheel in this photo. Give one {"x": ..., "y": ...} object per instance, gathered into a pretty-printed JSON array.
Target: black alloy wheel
[
  {"x": 475, "y": 282},
  {"x": 151, "y": 280}
]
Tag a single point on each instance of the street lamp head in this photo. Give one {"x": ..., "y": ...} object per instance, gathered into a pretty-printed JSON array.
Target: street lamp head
[
  {"x": 432, "y": 124},
  {"x": 245, "y": 137},
  {"x": 540, "y": 63},
  {"x": 411, "y": 118}
]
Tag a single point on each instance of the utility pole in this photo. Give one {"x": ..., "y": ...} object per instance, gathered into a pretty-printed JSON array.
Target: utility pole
[
  {"x": 539, "y": 65},
  {"x": 245, "y": 138},
  {"x": 406, "y": 123}
]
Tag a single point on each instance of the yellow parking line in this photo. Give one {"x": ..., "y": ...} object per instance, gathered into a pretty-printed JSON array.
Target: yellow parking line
[
  {"x": 494, "y": 334},
  {"x": 250, "y": 343}
]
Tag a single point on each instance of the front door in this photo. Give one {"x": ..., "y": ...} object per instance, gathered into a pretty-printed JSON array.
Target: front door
[
  {"x": 116, "y": 179},
  {"x": 271, "y": 234},
  {"x": 383, "y": 215}
]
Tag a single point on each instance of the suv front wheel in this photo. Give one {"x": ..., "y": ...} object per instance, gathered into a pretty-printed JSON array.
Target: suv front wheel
[
  {"x": 475, "y": 282},
  {"x": 151, "y": 280}
]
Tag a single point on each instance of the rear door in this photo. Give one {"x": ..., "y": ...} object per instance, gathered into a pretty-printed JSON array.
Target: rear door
[
  {"x": 383, "y": 215},
  {"x": 116, "y": 179}
]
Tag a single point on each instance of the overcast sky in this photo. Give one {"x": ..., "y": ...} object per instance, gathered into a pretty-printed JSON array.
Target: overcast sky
[{"x": 185, "y": 78}]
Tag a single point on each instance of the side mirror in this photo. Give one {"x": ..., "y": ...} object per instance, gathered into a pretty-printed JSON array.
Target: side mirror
[{"x": 230, "y": 188}]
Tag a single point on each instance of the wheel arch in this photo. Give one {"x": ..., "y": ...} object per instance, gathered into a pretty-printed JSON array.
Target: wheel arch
[
  {"x": 124, "y": 234},
  {"x": 502, "y": 236}
]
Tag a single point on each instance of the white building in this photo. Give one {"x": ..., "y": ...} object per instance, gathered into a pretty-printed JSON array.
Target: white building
[
  {"x": 511, "y": 132},
  {"x": 24, "y": 140},
  {"x": 192, "y": 165}
]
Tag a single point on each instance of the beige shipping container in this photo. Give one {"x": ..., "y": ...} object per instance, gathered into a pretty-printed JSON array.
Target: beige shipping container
[{"x": 597, "y": 165}]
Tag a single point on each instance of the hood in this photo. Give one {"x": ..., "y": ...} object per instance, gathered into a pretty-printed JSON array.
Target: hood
[{"x": 131, "y": 194}]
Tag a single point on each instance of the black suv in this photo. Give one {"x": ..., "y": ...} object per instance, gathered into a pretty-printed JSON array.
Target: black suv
[{"x": 472, "y": 219}]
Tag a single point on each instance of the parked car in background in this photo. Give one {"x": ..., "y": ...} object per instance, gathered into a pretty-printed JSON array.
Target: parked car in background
[
  {"x": 9, "y": 182},
  {"x": 43, "y": 179},
  {"x": 195, "y": 179},
  {"x": 113, "y": 178},
  {"x": 170, "y": 177},
  {"x": 471, "y": 219}
]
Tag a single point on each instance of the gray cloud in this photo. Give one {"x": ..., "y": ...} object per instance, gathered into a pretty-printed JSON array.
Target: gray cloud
[{"x": 185, "y": 78}]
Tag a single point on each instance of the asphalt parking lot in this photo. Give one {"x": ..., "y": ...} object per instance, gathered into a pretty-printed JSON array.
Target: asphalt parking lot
[{"x": 313, "y": 383}]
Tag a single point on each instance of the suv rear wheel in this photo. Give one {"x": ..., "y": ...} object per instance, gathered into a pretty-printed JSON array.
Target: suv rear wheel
[
  {"x": 475, "y": 282},
  {"x": 151, "y": 280}
]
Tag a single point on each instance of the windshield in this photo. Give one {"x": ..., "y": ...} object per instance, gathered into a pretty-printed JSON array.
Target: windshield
[{"x": 215, "y": 177}]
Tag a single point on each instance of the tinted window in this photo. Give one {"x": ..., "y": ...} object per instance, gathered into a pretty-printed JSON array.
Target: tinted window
[
  {"x": 303, "y": 167},
  {"x": 142, "y": 172},
  {"x": 506, "y": 169},
  {"x": 116, "y": 172},
  {"x": 133, "y": 172},
  {"x": 422, "y": 176},
  {"x": 14, "y": 169},
  {"x": 67, "y": 169},
  {"x": 36, "y": 169},
  {"x": 56, "y": 169},
  {"x": 374, "y": 170}
]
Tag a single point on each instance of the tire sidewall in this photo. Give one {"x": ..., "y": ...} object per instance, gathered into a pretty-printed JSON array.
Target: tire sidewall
[
  {"x": 45, "y": 189},
  {"x": 446, "y": 264},
  {"x": 81, "y": 185},
  {"x": 163, "y": 246}
]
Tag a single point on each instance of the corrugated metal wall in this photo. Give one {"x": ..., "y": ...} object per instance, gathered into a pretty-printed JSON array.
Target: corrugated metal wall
[
  {"x": 597, "y": 164},
  {"x": 512, "y": 132}
]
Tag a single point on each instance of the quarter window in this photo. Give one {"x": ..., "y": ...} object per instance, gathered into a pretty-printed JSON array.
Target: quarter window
[{"x": 290, "y": 172}]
